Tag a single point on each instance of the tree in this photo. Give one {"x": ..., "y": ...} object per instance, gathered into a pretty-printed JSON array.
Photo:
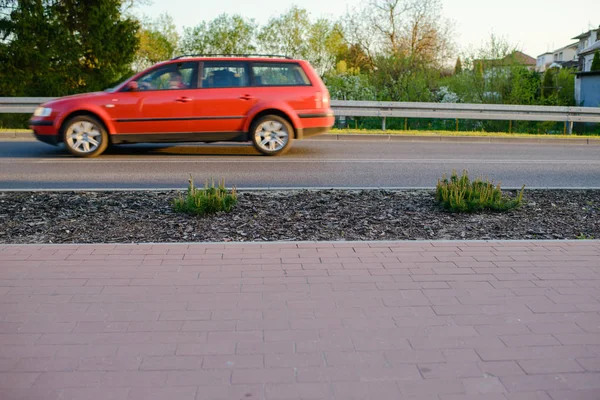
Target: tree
[
  {"x": 355, "y": 57},
  {"x": 158, "y": 41},
  {"x": 524, "y": 86},
  {"x": 360, "y": 37},
  {"x": 458, "y": 66},
  {"x": 293, "y": 34},
  {"x": 325, "y": 43},
  {"x": 348, "y": 84},
  {"x": 286, "y": 34},
  {"x": 487, "y": 73},
  {"x": 548, "y": 84},
  {"x": 565, "y": 82},
  {"x": 232, "y": 34},
  {"x": 195, "y": 40},
  {"x": 596, "y": 62},
  {"x": 426, "y": 34},
  {"x": 53, "y": 48},
  {"x": 493, "y": 63},
  {"x": 413, "y": 29},
  {"x": 386, "y": 17},
  {"x": 396, "y": 80},
  {"x": 226, "y": 34}
]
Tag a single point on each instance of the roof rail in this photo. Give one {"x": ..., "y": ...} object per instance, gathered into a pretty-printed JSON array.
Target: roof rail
[{"x": 231, "y": 55}]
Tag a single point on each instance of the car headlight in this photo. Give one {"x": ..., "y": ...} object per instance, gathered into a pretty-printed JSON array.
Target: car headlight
[{"x": 42, "y": 112}]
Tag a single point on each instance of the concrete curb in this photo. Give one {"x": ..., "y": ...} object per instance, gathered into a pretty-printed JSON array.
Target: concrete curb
[
  {"x": 312, "y": 242},
  {"x": 267, "y": 189},
  {"x": 404, "y": 138}
]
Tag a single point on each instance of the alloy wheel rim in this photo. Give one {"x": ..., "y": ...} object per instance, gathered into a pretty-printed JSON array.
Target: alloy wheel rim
[
  {"x": 271, "y": 136},
  {"x": 84, "y": 137}
]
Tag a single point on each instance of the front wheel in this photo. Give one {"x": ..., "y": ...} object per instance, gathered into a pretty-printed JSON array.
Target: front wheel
[
  {"x": 85, "y": 136},
  {"x": 272, "y": 135}
]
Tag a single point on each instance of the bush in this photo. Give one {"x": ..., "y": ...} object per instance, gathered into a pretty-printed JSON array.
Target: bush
[
  {"x": 208, "y": 200},
  {"x": 459, "y": 194}
]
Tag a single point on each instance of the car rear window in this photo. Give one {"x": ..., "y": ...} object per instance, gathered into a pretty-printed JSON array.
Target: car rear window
[
  {"x": 224, "y": 74},
  {"x": 279, "y": 74}
]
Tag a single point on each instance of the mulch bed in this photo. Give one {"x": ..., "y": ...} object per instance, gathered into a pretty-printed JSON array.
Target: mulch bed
[{"x": 299, "y": 215}]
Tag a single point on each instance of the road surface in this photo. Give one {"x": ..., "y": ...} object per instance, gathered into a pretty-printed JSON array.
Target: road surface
[{"x": 321, "y": 163}]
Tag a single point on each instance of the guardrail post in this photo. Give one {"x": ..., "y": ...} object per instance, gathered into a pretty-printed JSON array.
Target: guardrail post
[
  {"x": 383, "y": 124},
  {"x": 570, "y": 128},
  {"x": 405, "y": 124}
]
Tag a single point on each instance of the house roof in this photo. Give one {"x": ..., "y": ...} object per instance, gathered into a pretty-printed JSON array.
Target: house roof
[
  {"x": 516, "y": 57},
  {"x": 588, "y": 73},
  {"x": 564, "y": 64},
  {"x": 574, "y": 45},
  {"x": 569, "y": 64},
  {"x": 521, "y": 58},
  {"x": 584, "y": 34},
  {"x": 567, "y": 46}
]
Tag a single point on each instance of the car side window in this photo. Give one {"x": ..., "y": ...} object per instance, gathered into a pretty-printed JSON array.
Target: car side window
[
  {"x": 279, "y": 74},
  {"x": 224, "y": 74},
  {"x": 175, "y": 76}
]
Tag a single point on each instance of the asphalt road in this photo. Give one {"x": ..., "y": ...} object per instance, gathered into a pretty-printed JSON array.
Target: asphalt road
[{"x": 310, "y": 163}]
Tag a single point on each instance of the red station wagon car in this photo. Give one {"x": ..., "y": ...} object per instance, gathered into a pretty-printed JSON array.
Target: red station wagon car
[{"x": 266, "y": 100}]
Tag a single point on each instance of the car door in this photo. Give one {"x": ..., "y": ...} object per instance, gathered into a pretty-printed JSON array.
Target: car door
[
  {"x": 223, "y": 99},
  {"x": 162, "y": 103}
]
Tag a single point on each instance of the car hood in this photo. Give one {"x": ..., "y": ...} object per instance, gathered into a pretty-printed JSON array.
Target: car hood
[{"x": 81, "y": 96}]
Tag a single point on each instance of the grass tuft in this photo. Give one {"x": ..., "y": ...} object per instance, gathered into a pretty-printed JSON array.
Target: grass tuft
[
  {"x": 460, "y": 194},
  {"x": 208, "y": 200}
]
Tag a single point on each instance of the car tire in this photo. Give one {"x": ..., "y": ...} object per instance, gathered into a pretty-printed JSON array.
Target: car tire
[
  {"x": 272, "y": 135},
  {"x": 85, "y": 136}
]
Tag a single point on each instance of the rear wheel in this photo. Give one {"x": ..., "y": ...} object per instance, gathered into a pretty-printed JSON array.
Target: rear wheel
[
  {"x": 85, "y": 136},
  {"x": 272, "y": 135}
]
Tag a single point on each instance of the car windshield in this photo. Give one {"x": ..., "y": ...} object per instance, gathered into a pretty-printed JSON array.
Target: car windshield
[{"x": 114, "y": 88}]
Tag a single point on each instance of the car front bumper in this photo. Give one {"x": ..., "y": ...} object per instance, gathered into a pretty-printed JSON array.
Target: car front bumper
[{"x": 44, "y": 131}]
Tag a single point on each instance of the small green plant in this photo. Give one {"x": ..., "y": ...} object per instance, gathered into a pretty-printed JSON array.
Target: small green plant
[
  {"x": 205, "y": 201},
  {"x": 459, "y": 194},
  {"x": 584, "y": 236}
]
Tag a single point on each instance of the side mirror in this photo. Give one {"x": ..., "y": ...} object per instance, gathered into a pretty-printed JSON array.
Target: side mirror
[{"x": 132, "y": 86}]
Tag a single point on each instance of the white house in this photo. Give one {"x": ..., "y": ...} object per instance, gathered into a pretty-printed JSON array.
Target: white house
[
  {"x": 564, "y": 57},
  {"x": 565, "y": 54},
  {"x": 589, "y": 42},
  {"x": 543, "y": 61}
]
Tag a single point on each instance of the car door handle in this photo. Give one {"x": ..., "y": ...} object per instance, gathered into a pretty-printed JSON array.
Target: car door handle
[
  {"x": 183, "y": 99},
  {"x": 246, "y": 97}
]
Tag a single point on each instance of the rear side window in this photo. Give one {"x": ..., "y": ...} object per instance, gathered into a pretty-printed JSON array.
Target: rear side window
[
  {"x": 224, "y": 74},
  {"x": 279, "y": 74}
]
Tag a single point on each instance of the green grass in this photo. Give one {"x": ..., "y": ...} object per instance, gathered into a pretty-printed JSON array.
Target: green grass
[
  {"x": 11, "y": 130},
  {"x": 337, "y": 131}
]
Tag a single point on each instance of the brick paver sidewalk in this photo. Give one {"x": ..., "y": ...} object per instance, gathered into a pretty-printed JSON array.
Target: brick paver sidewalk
[{"x": 385, "y": 320}]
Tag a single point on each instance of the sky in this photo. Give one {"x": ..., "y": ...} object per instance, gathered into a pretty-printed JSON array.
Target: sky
[{"x": 534, "y": 26}]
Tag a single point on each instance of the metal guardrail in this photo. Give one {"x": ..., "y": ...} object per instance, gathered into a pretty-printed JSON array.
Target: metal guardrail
[
  {"x": 457, "y": 111},
  {"x": 465, "y": 111},
  {"x": 21, "y": 105},
  {"x": 385, "y": 109}
]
